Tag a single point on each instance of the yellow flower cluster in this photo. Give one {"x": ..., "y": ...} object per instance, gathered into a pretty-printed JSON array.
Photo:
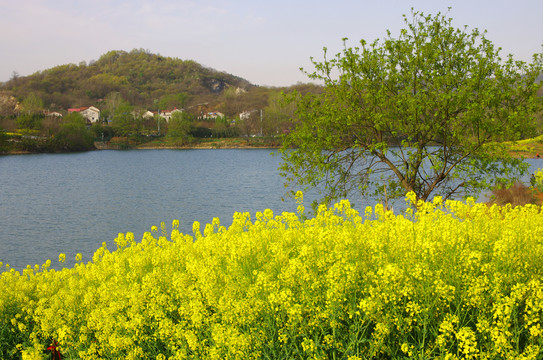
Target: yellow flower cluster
[
  {"x": 538, "y": 179},
  {"x": 453, "y": 280}
]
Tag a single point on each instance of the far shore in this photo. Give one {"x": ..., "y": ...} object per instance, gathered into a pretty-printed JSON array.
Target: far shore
[
  {"x": 530, "y": 148},
  {"x": 221, "y": 143}
]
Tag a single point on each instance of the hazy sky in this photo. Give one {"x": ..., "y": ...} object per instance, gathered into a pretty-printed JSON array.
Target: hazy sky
[{"x": 263, "y": 41}]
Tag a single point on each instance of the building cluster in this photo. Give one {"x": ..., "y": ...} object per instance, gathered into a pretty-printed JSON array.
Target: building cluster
[{"x": 92, "y": 114}]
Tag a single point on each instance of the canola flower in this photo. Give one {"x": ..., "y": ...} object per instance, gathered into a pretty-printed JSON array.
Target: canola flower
[
  {"x": 538, "y": 179},
  {"x": 451, "y": 280}
]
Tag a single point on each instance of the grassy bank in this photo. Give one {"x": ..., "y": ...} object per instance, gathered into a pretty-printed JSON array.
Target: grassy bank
[
  {"x": 18, "y": 145},
  {"x": 527, "y": 148},
  {"x": 454, "y": 280}
]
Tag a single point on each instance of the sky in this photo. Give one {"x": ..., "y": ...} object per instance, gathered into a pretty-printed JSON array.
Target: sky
[{"x": 263, "y": 41}]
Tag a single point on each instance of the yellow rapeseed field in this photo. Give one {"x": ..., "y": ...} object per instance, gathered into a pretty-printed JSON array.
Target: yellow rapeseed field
[{"x": 453, "y": 280}]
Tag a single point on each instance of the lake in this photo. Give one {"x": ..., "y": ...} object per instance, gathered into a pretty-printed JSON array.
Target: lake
[{"x": 71, "y": 203}]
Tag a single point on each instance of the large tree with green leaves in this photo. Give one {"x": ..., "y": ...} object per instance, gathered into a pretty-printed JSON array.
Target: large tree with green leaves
[{"x": 425, "y": 111}]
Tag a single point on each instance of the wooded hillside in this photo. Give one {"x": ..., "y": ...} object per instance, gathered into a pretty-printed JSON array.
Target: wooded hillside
[
  {"x": 48, "y": 110},
  {"x": 145, "y": 80}
]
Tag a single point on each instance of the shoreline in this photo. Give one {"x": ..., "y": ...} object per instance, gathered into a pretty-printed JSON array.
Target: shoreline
[{"x": 527, "y": 150}]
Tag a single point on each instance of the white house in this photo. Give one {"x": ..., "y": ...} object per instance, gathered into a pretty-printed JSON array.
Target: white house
[
  {"x": 213, "y": 115},
  {"x": 246, "y": 115},
  {"x": 91, "y": 114},
  {"x": 148, "y": 115},
  {"x": 167, "y": 115},
  {"x": 52, "y": 113}
]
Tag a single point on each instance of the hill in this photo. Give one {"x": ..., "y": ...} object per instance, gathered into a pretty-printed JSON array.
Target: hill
[
  {"x": 143, "y": 79},
  {"x": 36, "y": 111}
]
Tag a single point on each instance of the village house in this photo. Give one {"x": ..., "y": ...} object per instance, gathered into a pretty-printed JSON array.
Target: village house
[
  {"x": 91, "y": 114},
  {"x": 212, "y": 115},
  {"x": 167, "y": 115},
  {"x": 52, "y": 113},
  {"x": 246, "y": 115},
  {"x": 148, "y": 115}
]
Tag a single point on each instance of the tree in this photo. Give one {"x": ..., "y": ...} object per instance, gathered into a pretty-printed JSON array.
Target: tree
[
  {"x": 423, "y": 112},
  {"x": 277, "y": 115},
  {"x": 172, "y": 101},
  {"x": 179, "y": 126},
  {"x": 73, "y": 134},
  {"x": 31, "y": 116},
  {"x": 112, "y": 102},
  {"x": 121, "y": 113},
  {"x": 30, "y": 121},
  {"x": 124, "y": 123},
  {"x": 32, "y": 104},
  {"x": 251, "y": 123}
]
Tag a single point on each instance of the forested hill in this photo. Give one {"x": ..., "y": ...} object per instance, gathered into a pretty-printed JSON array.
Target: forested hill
[{"x": 143, "y": 79}]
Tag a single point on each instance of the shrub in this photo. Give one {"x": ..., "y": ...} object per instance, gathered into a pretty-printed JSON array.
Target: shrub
[
  {"x": 517, "y": 194},
  {"x": 537, "y": 180}
]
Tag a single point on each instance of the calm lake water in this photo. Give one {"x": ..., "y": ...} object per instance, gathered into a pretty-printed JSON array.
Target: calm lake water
[{"x": 70, "y": 203}]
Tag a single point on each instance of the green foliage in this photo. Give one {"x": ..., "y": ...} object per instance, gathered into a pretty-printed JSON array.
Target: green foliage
[
  {"x": 144, "y": 81},
  {"x": 201, "y": 132},
  {"x": 139, "y": 76},
  {"x": 32, "y": 104},
  {"x": 29, "y": 121},
  {"x": 101, "y": 132},
  {"x": 99, "y": 85},
  {"x": 73, "y": 135},
  {"x": 222, "y": 129},
  {"x": 121, "y": 112},
  {"x": 4, "y": 145},
  {"x": 421, "y": 112},
  {"x": 172, "y": 101},
  {"x": 179, "y": 126},
  {"x": 277, "y": 115},
  {"x": 30, "y": 116},
  {"x": 228, "y": 132}
]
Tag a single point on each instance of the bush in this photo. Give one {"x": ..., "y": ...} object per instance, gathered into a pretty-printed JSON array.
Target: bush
[
  {"x": 4, "y": 145},
  {"x": 537, "y": 180},
  {"x": 515, "y": 195},
  {"x": 228, "y": 132},
  {"x": 30, "y": 121}
]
